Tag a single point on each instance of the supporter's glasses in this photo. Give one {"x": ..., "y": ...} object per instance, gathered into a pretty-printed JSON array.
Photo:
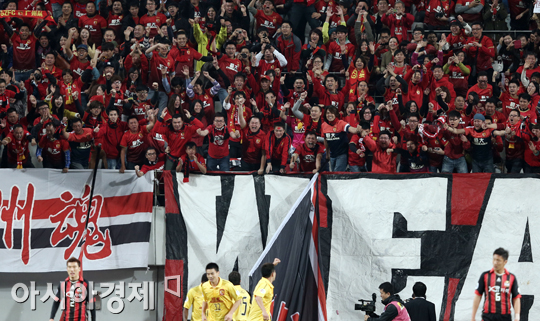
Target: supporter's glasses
[
  {"x": 219, "y": 120},
  {"x": 151, "y": 154},
  {"x": 418, "y": 33},
  {"x": 413, "y": 121},
  {"x": 482, "y": 80},
  {"x": 285, "y": 27},
  {"x": 43, "y": 108},
  {"x": 476, "y": 28}
]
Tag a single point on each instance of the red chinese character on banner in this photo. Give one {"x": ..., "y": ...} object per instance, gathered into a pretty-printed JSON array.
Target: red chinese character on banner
[
  {"x": 75, "y": 211},
  {"x": 15, "y": 211}
]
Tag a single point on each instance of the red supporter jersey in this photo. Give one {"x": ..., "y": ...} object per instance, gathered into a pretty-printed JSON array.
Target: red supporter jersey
[
  {"x": 135, "y": 143},
  {"x": 154, "y": 22},
  {"x": 218, "y": 139},
  {"x": 509, "y": 103},
  {"x": 483, "y": 94},
  {"x": 271, "y": 22},
  {"x": 78, "y": 67},
  {"x": 192, "y": 166},
  {"x": 230, "y": 66},
  {"x": 94, "y": 25},
  {"x": 334, "y": 49},
  {"x": 184, "y": 57},
  {"x": 308, "y": 156},
  {"x": 53, "y": 150},
  {"x": 18, "y": 150},
  {"x": 24, "y": 52},
  {"x": 253, "y": 145}
]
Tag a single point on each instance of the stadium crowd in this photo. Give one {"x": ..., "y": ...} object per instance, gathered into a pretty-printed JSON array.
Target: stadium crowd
[{"x": 272, "y": 85}]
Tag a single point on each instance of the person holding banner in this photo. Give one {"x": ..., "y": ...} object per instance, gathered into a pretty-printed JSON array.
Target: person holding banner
[
  {"x": 219, "y": 295},
  {"x": 24, "y": 48},
  {"x": 263, "y": 295}
]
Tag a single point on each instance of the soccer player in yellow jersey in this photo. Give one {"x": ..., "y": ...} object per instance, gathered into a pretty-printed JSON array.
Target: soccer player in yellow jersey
[
  {"x": 194, "y": 299},
  {"x": 264, "y": 293},
  {"x": 220, "y": 298},
  {"x": 243, "y": 310}
]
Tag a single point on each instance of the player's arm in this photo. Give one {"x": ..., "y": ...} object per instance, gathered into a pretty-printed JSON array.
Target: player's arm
[
  {"x": 235, "y": 306},
  {"x": 517, "y": 308},
  {"x": 260, "y": 303},
  {"x": 475, "y": 305},
  {"x": 204, "y": 307},
  {"x": 56, "y": 305},
  {"x": 185, "y": 314}
]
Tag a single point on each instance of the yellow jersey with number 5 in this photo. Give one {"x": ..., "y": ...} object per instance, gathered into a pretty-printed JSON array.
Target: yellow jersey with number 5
[
  {"x": 264, "y": 290},
  {"x": 219, "y": 299},
  {"x": 241, "y": 314}
]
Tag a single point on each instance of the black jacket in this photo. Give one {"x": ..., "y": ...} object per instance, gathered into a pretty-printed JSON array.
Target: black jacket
[{"x": 421, "y": 309}]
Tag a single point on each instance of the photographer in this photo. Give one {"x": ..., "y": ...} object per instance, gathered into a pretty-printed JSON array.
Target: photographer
[{"x": 394, "y": 309}]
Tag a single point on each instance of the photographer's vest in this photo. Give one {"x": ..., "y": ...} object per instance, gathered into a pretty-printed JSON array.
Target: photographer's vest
[{"x": 403, "y": 315}]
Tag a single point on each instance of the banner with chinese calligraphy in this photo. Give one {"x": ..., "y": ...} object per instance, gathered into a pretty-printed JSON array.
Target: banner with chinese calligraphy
[{"x": 43, "y": 217}]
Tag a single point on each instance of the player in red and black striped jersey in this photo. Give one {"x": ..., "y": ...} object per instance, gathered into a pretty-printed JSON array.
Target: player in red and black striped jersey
[
  {"x": 499, "y": 286},
  {"x": 74, "y": 295}
]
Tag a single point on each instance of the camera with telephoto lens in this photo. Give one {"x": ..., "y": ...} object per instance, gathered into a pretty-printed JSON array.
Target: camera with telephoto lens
[{"x": 368, "y": 306}]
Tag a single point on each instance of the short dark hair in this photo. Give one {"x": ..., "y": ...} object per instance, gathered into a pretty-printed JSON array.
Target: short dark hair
[
  {"x": 204, "y": 278},
  {"x": 234, "y": 278},
  {"x": 191, "y": 145},
  {"x": 419, "y": 290},
  {"x": 10, "y": 110},
  {"x": 279, "y": 124},
  {"x": 267, "y": 269},
  {"x": 525, "y": 96},
  {"x": 73, "y": 259},
  {"x": 502, "y": 252},
  {"x": 454, "y": 113},
  {"x": 220, "y": 114},
  {"x": 240, "y": 93},
  {"x": 387, "y": 287},
  {"x": 212, "y": 266},
  {"x": 311, "y": 132},
  {"x": 385, "y": 132}
]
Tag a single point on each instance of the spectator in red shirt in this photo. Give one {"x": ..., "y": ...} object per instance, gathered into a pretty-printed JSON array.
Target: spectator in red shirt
[
  {"x": 308, "y": 155},
  {"x": 17, "y": 144},
  {"x": 51, "y": 148},
  {"x": 482, "y": 88},
  {"x": 277, "y": 150},
  {"x": 290, "y": 46},
  {"x": 383, "y": 160},
  {"x": 267, "y": 17},
  {"x": 153, "y": 18},
  {"x": 111, "y": 133},
  {"x": 454, "y": 158},
  {"x": 133, "y": 143},
  {"x": 218, "y": 143},
  {"x": 154, "y": 162},
  {"x": 94, "y": 23},
  {"x": 480, "y": 50},
  {"x": 177, "y": 134},
  {"x": 253, "y": 144},
  {"x": 399, "y": 22},
  {"x": 24, "y": 48},
  {"x": 191, "y": 161}
]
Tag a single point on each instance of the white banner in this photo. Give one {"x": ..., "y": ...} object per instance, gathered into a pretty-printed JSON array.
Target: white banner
[
  {"x": 43, "y": 219},
  {"x": 383, "y": 228}
]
